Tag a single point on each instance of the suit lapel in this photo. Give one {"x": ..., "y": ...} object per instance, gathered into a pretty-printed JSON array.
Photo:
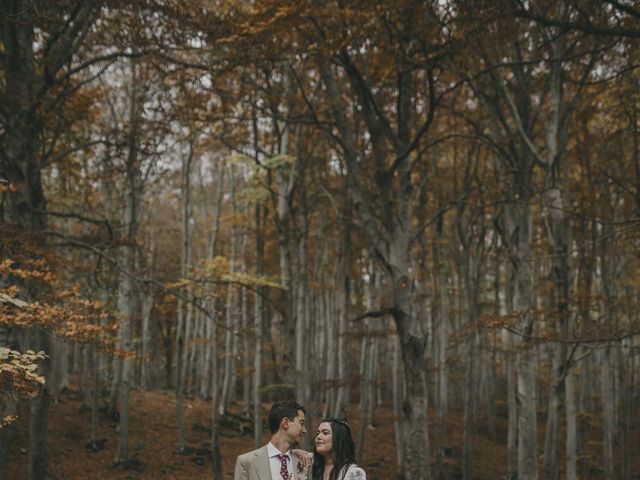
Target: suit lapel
[{"x": 263, "y": 469}]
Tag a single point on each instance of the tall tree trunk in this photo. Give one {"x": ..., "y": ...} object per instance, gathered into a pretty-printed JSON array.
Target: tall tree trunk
[
  {"x": 207, "y": 385},
  {"x": 116, "y": 381},
  {"x": 507, "y": 228},
  {"x": 112, "y": 363},
  {"x": 470, "y": 405},
  {"x": 627, "y": 391},
  {"x": 491, "y": 367},
  {"x": 571, "y": 428},
  {"x": 343, "y": 288},
  {"x": 125, "y": 290},
  {"x": 391, "y": 244},
  {"x": 24, "y": 87},
  {"x": 469, "y": 254},
  {"x": 367, "y": 370},
  {"x": 59, "y": 367},
  {"x": 215, "y": 419},
  {"x": 330, "y": 345},
  {"x": 95, "y": 393},
  {"x": 258, "y": 326},
  {"x": 189, "y": 343},
  {"x": 38, "y": 417},
  {"x": 246, "y": 353},
  {"x": 228, "y": 384},
  {"x": 559, "y": 224},
  {"x": 471, "y": 280},
  {"x": 147, "y": 370},
  {"x": 20, "y": 166},
  {"x": 283, "y": 222},
  {"x": 244, "y": 330},
  {"x": 607, "y": 282},
  {"x": 20, "y": 160},
  {"x": 398, "y": 396},
  {"x": 302, "y": 328},
  {"x": 526, "y": 381},
  {"x": 607, "y": 373},
  {"x": 210, "y": 337},
  {"x": 8, "y": 408},
  {"x": 517, "y": 235},
  {"x": 518, "y": 220},
  {"x": 126, "y": 309},
  {"x": 303, "y": 321},
  {"x": 585, "y": 406},
  {"x": 183, "y": 308},
  {"x": 441, "y": 342}
]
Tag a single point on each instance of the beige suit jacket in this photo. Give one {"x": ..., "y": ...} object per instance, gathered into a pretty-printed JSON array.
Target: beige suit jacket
[{"x": 255, "y": 466}]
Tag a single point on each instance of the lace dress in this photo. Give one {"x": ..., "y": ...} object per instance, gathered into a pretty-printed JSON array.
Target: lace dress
[{"x": 353, "y": 472}]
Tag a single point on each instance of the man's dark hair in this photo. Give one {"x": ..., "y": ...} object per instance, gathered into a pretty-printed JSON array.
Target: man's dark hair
[{"x": 279, "y": 410}]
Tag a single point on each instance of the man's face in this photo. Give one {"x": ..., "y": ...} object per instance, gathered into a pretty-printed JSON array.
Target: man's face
[{"x": 296, "y": 428}]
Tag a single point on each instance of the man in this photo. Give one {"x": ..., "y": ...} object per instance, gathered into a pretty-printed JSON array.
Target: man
[{"x": 276, "y": 461}]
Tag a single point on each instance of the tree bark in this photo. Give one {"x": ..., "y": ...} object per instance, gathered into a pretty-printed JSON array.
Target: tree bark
[
  {"x": 24, "y": 87},
  {"x": 20, "y": 166},
  {"x": 607, "y": 373},
  {"x": 558, "y": 206},
  {"x": 571, "y": 429},
  {"x": 286, "y": 188},
  {"x": 133, "y": 194},
  {"x": 343, "y": 271},
  {"x": 629, "y": 376},
  {"x": 59, "y": 367},
  {"x": 23, "y": 126},
  {"x": 207, "y": 386},
  {"x": 441, "y": 341},
  {"x": 368, "y": 364},
  {"x": 184, "y": 312},
  {"x": 228, "y": 385},
  {"x": 147, "y": 370},
  {"x": 38, "y": 416},
  {"x": 390, "y": 238},
  {"x": 398, "y": 395},
  {"x": 258, "y": 326}
]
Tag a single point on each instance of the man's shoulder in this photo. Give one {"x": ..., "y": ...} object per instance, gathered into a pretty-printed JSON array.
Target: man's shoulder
[{"x": 252, "y": 454}]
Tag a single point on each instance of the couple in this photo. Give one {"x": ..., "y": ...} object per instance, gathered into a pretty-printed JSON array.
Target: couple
[{"x": 333, "y": 456}]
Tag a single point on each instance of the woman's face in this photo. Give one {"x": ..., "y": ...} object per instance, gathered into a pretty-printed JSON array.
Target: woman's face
[{"x": 324, "y": 439}]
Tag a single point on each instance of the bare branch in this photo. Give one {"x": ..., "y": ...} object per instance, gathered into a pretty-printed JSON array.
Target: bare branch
[
  {"x": 587, "y": 26},
  {"x": 77, "y": 216},
  {"x": 197, "y": 302},
  {"x": 375, "y": 314},
  {"x": 75, "y": 148}
]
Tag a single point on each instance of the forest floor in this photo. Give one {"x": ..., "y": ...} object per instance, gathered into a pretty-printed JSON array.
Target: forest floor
[{"x": 153, "y": 439}]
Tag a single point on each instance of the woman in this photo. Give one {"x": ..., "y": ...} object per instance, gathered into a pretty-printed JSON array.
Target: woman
[{"x": 334, "y": 455}]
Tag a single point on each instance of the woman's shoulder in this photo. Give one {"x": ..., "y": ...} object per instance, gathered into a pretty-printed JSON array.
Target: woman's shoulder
[{"x": 354, "y": 472}]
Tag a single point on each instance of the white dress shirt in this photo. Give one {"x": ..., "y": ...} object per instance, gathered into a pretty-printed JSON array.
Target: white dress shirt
[{"x": 274, "y": 461}]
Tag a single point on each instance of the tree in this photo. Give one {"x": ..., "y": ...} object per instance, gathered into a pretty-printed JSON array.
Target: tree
[{"x": 389, "y": 154}]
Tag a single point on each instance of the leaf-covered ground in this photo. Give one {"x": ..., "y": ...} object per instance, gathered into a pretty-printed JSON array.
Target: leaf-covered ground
[{"x": 154, "y": 437}]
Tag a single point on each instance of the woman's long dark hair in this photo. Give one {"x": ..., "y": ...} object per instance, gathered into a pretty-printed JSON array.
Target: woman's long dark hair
[{"x": 343, "y": 451}]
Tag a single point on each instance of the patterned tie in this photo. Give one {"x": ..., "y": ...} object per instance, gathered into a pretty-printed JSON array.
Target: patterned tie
[{"x": 284, "y": 471}]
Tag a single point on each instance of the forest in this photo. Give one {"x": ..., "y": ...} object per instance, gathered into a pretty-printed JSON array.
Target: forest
[{"x": 419, "y": 215}]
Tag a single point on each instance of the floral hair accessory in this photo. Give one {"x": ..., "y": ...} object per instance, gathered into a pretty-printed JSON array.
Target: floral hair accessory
[{"x": 343, "y": 422}]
